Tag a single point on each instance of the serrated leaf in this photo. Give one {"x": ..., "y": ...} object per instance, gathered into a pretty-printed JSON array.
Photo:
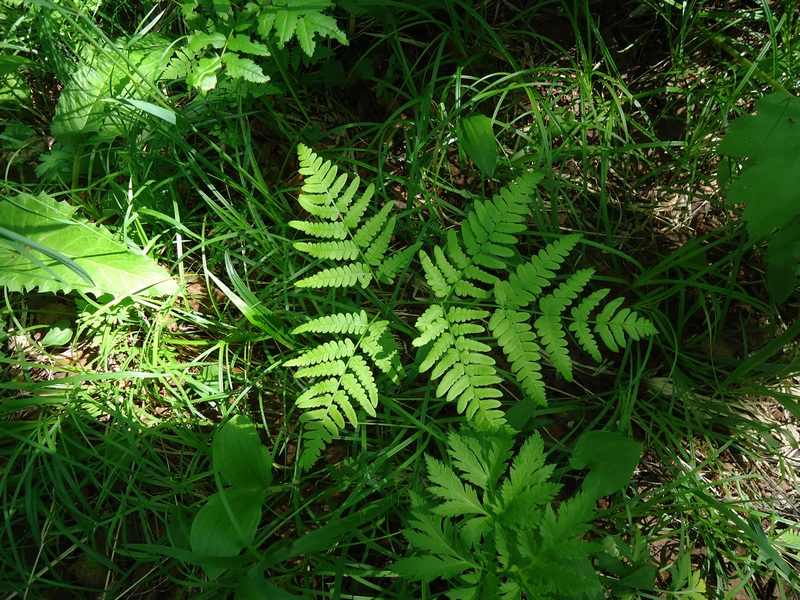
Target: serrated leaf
[
  {"x": 770, "y": 183},
  {"x": 243, "y": 68},
  {"x": 240, "y": 457},
  {"x": 111, "y": 267},
  {"x": 242, "y": 43},
  {"x": 204, "y": 74},
  {"x": 476, "y": 138}
]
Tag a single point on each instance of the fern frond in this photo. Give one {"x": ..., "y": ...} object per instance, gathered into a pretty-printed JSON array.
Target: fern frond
[
  {"x": 529, "y": 279},
  {"x": 344, "y": 372},
  {"x": 373, "y": 227},
  {"x": 361, "y": 245},
  {"x": 488, "y": 232},
  {"x": 336, "y": 230},
  {"x": 328, "y": 351},
  {"x": 549, "y": 325},
  {"x": 381, "y": 348},
  {"x": 388, "y": 269}
]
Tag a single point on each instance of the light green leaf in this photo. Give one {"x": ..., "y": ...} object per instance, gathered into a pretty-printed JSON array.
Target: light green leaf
[
  {"x": 106, "y": 75},
  {"x": 243, "y": 68},
  {"x": 204, "y": 74},
  {"x": 91, "y": 260},
  {"x": 242, "y": 43},
  {"x": 239, "y": 456},
  {"x": 198, "y": 40},
  {"x": 58, "y": 335},
  {"x": 165, "y": 114},
  {"x": 476, "y": 139}
]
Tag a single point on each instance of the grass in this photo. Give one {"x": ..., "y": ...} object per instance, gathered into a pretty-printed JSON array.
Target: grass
[{"x": 105, "y": 452}]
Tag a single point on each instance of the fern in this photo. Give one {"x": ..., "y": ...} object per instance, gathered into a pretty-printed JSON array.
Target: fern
[
  {"x": 536, "y": 308},
  {"x": 489, "y": 527},
  {"x": 344, "y": 368},
  {"x": 523, "y": 343},
  {"x": 462, "y": 271}
]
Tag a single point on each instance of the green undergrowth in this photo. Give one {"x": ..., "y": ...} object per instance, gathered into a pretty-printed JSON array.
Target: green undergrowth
[{"x": 398, "y": 300}]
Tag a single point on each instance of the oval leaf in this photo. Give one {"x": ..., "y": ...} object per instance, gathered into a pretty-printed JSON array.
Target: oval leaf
[
  {"x": 215, "y": 534},
  {"x": 476, "y": 139},
  {"x": 239, "y": 457},
  {"x": 88, "y": 257}
]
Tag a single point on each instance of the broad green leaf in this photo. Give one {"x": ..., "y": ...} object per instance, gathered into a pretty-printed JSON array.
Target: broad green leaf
[
  {"x": 240, "y": 457},
  {"x": 83, "y": 107},
  {"x": 781, "y": 258},
  {"x": 770, "y": 183},
  {"x": 198, "y": 40},
  {"x": 476, "y": 139},
  {"x": 243, "y": 68},
  {"x": 221, "y": 531},
  {"x": 58, "y": 335},
  {"x": 242, "y": 43},
  {"x": 204, "y": 74},
  {"x": 611, "y": 458},
  {"x": 93, "y": 262}
]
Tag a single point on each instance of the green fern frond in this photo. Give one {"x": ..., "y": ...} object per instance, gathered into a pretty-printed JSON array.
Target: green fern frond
[
  {"x": 336, "y": 230},
  {"x": 613, "y": 327},
  {"x": 549, "y": 325},
  {"x": 467, "y": 372},
  {"x": 529, "y": 279},
  {"x": 362, "y": 246},
  {"x": 486, "y": 241},
  {"x": 328, "y": 351},
  {"x": 488, "y": 232}
]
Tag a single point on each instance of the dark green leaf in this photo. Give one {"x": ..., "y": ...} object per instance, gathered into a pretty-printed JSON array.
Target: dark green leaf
[
  {"x": 476, "y": 139},
  {"x": 239, "y": 457}
]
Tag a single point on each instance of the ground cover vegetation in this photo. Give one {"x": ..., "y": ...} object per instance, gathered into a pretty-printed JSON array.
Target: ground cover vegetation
[{"x": 376, "y": 299}]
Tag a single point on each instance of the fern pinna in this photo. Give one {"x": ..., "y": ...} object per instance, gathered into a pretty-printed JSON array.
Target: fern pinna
[
  {"x": 474, "y": 267},
  {"x": 353, "y": 252}
]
